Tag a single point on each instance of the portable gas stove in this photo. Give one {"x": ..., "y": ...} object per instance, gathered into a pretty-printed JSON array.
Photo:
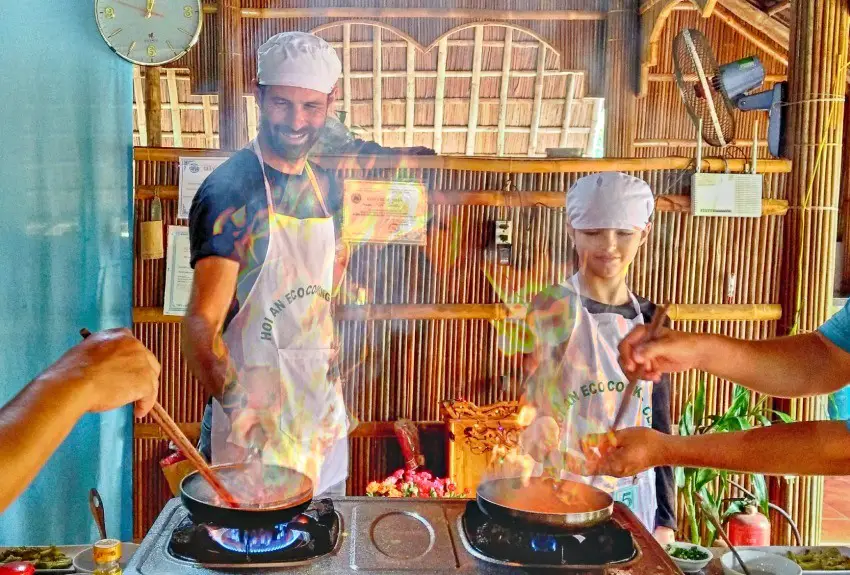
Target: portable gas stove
[{"x": 394, "y": 537}]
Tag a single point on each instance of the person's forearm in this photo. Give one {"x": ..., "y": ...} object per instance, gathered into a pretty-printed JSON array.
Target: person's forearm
[
  {"x": 786, "y": 367},
  {"x": 32, "y": 426},
  {"x": 805, "y": 448},
  {"x": 206, "y": 354}
]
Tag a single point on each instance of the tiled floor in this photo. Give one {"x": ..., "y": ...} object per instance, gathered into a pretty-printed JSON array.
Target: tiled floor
[{"x": 836, "y": 511}]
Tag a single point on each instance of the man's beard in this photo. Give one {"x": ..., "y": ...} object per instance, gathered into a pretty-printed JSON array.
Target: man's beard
[{"x": 274, "y": 137}]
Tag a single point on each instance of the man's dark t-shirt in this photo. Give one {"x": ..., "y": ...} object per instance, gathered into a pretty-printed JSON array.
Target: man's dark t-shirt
[{"x": 229, "y": 214}]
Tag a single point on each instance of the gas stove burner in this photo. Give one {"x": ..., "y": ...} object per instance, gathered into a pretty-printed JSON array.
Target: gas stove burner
[
  {"x": 254, "y": 541},
  {"x": 526, "y": 545},
  {"x": 307, "y": 537}
]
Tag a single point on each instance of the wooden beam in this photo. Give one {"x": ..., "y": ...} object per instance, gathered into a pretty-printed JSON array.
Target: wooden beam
[
  {"x": 538, "y": 99},
  {"x": 410, "y": 103},
  {"x": 153, "y": 100},
  {"x": 440, "y": 94},
  {"x": 596, "y": 124},
  {"x": 475, "y": 84},
  {"x": 499, "y": 311},
  {"x": 670, "y": 78},
  {"x": 780, "y": 6},
  {"x": 141, "y": 117},
  {"x": 364, "y": 429},
  {"x": 416, "y": 13},
  {"x": 231, "y": 122},
  {"x": 733, "y": 22},
  {"x": 504, "y": 85},
  {"x": 664, "y": 203},
  {"x": 174, "y": 101},
  {"x": 500, "y": 165},
  {"x": 377, "y": 85},
  {"x": 772, "y": 28},
  {"x": 346, "y": 73},
  {"x": 209, "y": 134},
  {"x": 568, "y": 110}
]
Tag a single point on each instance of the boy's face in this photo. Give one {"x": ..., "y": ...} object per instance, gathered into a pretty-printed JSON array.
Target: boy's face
[{"x": 607, "y": 253}]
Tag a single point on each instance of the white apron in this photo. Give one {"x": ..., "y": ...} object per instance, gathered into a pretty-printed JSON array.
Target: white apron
[
  {"x": 280, "y": 342},
  {"x": 595, "y": 385}
]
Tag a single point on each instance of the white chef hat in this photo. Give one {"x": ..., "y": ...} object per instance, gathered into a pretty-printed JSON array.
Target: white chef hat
[
  {"x": 300, "y": 60},
  {"x": 609, "y": 200}
]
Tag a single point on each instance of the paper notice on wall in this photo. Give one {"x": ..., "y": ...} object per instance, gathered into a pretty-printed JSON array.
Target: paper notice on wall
[
  {"x": 193, "y": 172},
  {"x": 178, "y": 272},
  {"x": 385, "y": 212}
]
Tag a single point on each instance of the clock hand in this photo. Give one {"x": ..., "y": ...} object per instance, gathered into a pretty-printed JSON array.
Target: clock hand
[
  {"x": 149, "y": 8},
  {"x": 142, "y": 10}
]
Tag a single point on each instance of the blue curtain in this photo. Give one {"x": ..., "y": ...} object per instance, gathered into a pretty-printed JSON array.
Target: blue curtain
[{"x": 65, "y": 247}]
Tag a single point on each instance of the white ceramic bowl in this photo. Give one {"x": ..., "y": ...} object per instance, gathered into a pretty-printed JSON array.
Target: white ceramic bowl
[
  {"x": 759, "y": 563},
  {"x": 690, "y": 565}
]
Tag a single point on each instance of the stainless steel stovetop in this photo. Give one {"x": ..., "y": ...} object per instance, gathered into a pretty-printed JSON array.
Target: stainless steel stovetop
[{"x": 377, "y": 536}]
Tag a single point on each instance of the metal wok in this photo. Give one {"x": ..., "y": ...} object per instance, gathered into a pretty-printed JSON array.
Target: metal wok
[{"x": 545, "y": 502}]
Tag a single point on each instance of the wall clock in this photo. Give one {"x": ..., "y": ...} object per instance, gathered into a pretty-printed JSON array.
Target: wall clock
[{"x": 149, "y": 32}]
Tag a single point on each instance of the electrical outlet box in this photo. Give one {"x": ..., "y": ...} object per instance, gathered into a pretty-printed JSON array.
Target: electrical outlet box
[
  {"x": 727, "y": 195},
  {"x": 504, "y": 233}
]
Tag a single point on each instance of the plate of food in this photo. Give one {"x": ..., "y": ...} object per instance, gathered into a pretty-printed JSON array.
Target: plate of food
[
  {"x": 815, "y": 560},
  {"x": 46, "y": 559}
]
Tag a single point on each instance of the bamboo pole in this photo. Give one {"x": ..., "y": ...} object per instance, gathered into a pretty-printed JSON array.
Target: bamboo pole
[
  {"x": 231, "y": 122},
  {"x": 153, "y": 100},
  {"x": 621, "y": 81},
  {"x": 844, "y": 216},
  {"x": 410, "y": 95},
  {"x": 474, "y": 85},
  {"x": 817, "y": 87},
  {"x": 498, "y": 312},
  {"x": 596, "y": 124},
  {"x": 377, "y": 86},
  {"x": 538, "y": 99},
  {"x": 568, "y": 110},
  {"x": 733, "y": 23},
  {"x": 553, "y": 200},
  {"x": 439, "y": 95},
  {"x": 174, "y": 105},
  {"x": 209, "y": 138},
  {"x": 507, "y": 54},
  {"x": 437, "y": 13},
  {"x": 141, "y": 116},
  {"x": 498, "y": 165},
  {"x": 346, "y": 73},
  {"x": 670, "y": 78}
]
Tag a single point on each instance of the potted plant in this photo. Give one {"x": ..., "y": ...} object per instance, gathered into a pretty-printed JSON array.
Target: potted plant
[{"x": 714, "y": 485}]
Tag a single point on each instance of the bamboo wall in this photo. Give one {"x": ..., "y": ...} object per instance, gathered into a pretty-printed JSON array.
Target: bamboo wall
[{"x": 403, "y": 368}]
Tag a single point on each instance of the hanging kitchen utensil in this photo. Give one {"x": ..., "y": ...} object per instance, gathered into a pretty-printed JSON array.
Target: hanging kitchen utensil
[
  {"x": 151, "y": 232},
  {"x": 545, "y": 501},
  {"x": 96, "y": 506}
]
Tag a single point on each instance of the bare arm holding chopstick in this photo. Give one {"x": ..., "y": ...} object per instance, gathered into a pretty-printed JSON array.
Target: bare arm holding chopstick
[{"x": 106, "y": 371}]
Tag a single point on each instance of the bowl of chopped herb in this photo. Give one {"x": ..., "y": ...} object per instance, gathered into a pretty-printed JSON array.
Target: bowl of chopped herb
[{"x": 689, "y": 557}]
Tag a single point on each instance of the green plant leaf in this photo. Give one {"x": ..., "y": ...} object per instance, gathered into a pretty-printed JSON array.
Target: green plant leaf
[
  {"x": 760, "y": 491},
  {"x": 740, "y": 402},
  {"x": 686, "y": 423},
  {"x": 764, "y": 420},
  {"x": 759, "y": 407},
  {"x": 679, "y": 474},
  {"x": 704, "y": 477},
  {"x": 699, "y": 405},
  {"x": 735, "y": 506},
  {"x": 783, "y": 416}
]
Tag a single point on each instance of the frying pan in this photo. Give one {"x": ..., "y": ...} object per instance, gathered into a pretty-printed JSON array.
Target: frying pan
[
  {"x": 286, "y": 493},
  {"x": 544, "y": 501}
]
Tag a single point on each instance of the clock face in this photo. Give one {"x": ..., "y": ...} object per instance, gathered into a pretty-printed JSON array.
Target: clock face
[{"x": 149, "y": 32}]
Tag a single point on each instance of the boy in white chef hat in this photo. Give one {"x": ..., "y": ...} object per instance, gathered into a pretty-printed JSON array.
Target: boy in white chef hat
[{"x": 575, "y": 382}]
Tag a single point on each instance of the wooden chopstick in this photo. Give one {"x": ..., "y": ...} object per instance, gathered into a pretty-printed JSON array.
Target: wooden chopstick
[
  {"x": 652, "y": 332},
  {"x": 173, "y": 432}
]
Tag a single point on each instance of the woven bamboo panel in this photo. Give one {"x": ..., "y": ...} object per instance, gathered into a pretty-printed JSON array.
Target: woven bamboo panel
[{"x": 404, "y": 368}]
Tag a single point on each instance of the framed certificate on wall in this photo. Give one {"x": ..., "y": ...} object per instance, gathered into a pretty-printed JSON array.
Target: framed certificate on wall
[{"x": 385, "y": 212}]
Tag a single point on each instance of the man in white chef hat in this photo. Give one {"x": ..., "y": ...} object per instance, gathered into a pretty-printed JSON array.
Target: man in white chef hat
[
  {"x": 258, "y": 332},
  {"x": 575, "y": 381}
]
